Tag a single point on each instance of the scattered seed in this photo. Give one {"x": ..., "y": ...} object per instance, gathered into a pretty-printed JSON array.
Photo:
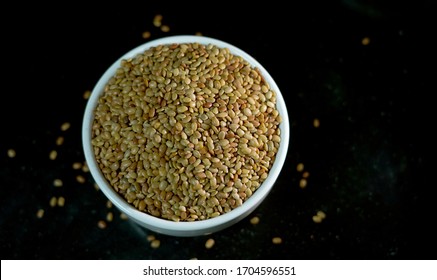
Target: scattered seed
[
  {"x": 299, "y": 167},
  {"x": 317, "y": 219},
  {"x": 254, "y": 220},
  {"x": 306, "y": 174},
  {"x": 198, "y": 34},
  {"x": 53, "y": 154},
  {"x": 321, "y": 214},
  {"x": 150, "y": 238},
  {"x": 276, "y": 240},
  {"x": 209, "y": 243},
  {"x": 96, "y": 187},
  {"x": 157, "y": 20},
  {"x": 59, "y": 141},
  {"x": 108, "y": 204},
  {"x": 65, "y": 126},
  {"x": 53, "y": 201},
  {"x": 155, "y": 244},
  {"x": 165, "y": 28},
  {"x": 85, "y": 167},
  {"x": 316, "y": 123},
  {"x": 11, "y": 153},
  {"x": 109, "y": 217},
  {"x": 61, "y": 201},
  {"x": 80, "y": 179},
  {"x": 101, "y": 224},
  {"x": 40, "y": 213},
  {"x": 86, "y": 94},
  {"x": 77, "y": 165},
  {"x": 123, "y": 216},
  {"x": 146, "y": 34},
  {"x": 57, "y": 183},
  {"x": 365, "y": 41},
  {"x": 302, "y": 183}
]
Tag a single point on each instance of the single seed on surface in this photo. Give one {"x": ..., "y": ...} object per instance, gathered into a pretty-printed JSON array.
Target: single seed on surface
[
  {"x": 276, "y": 240},
  {"x": 40, "y": 213},
  {"x": 209, "y": 243},
  {"x": 108, "y": 204},
  {"x": 96, "y": 187},
  {"x": 65, "y": 126},
  {"x": 80, "y": 179},
  {"x": 86, "y": 94},
  {"x": 77, "y": 165},
  {"x": 302, "y": 183},
  {"x": 306, "y": 174},
  {"x": 11, "y": 153},
  {"x": 53, "y": 201},
  {"x": 155, "y": 243},
  {"x": 146, "y": 34},
  {"x": 365, "y": 41},
  {"x": 165, "y": 28},
  {"x": 59, "y": 141},
  {"x": 198, "y": 33},
  {"x": 316, "y": 123},
  {"x": 61, "y": 201},
  {"x": 57, "y": 183},
  {"x": 123, "y": 216},
  {"x": 321, "y": 214},
  {"x": 85, "y": 167},
  {"x": 299, "y": 167},
  {"x": 150, "y": 238},
  {"x": 109, "y": 217},
  {"x": 53, "y": 154},
  {"x": 157, "y": 20},
  {"x": 101, "y": 224},
  {"x": 317, "y": 219},
  {"x": 254, "y": 220}
]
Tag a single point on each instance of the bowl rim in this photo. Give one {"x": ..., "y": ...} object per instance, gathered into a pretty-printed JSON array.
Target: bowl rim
[{"x": 182, "y": 226}]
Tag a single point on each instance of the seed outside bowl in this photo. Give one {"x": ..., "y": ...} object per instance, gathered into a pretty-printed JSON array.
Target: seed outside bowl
[{"x": 193, "y": 228}]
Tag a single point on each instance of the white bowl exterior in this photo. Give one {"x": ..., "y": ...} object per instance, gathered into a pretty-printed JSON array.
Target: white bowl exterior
[{"x": 197, "y": 227}]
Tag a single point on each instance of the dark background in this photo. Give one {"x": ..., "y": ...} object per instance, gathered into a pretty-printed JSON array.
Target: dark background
[{"x": 369, "y": 161}]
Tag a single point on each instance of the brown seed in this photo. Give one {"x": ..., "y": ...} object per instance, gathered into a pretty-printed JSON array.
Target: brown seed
[
  {"x": 53, "y": 201},
  {"x": 57, "y": 183},
  {"x": 299, "y": 167},
  {"x": 96, "y": 187},
  {"x": 365, "y": 41},
  {"x": 254, "y": 220},
  {"x": 150, "y": 238},
  {"x": 306, "y": 174},
  {"x": 198, "y": 33},
  {"x": 61, "y": 201},
  {"x": 77, "y": 165},
  {"x": 123, "y": 216},
  {"x": 86, "y": 94},
  {"x": 157, "y": 20},
  {"x": 316, "y": 123},
  {"x": 109, "y": 216},
  {"x": 40, "y": 213},
  {"x": 11, "y": 153},
  {"x": 302, "y": 183},
  {"x": 155, "y": 244},
  {"x": 85, "y": 167},
  {"x": 276, "y": 240},
  {"x": 209, "y": 243},
  {"x": 165, "y": 28},
  {"x": 101, "y": 224},
  {"x": 317, "y": 219},
  {"x": 146, "y": 34},
  {"x": 53, "y": 154},
  {"x": 80, "y": 179},
  {"x": 65, "y": 126},
  {"x": 108, "y": 204},
  {"x": 59, "y": 140},
  {"x": 321, "y": 214}
]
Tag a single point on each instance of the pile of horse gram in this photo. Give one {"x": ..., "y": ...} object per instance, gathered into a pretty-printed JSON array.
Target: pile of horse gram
[{"x": 186, "y": 132}]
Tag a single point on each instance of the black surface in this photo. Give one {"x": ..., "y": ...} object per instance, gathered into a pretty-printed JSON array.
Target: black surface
[{"x": 369, "y": 161}]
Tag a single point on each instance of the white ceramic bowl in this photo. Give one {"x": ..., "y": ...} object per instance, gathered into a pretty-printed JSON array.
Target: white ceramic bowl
[{"x": 184, "y": 228}]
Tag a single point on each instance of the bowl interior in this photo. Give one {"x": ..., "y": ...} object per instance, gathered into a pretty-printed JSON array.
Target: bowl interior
[{"x": 195, "y": 227}]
